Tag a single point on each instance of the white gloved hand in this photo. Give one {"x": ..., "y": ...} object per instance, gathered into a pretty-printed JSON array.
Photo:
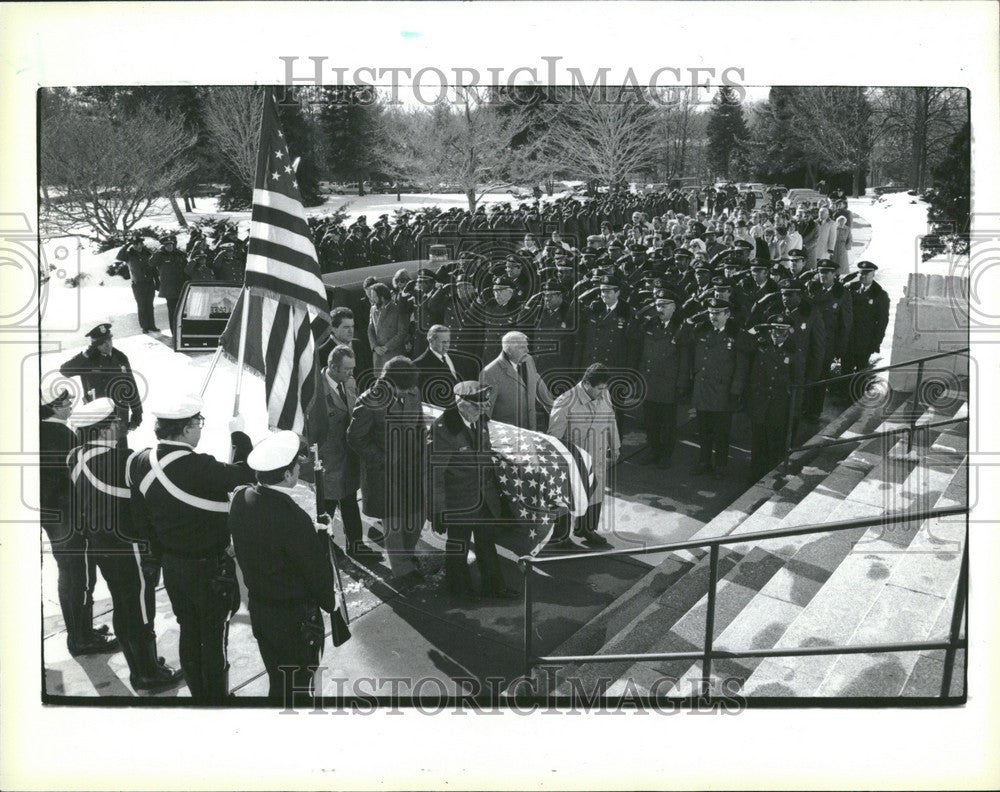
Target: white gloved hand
[
  {"x": 324, "y": 528},
  {"x": 236, "y": 424}
]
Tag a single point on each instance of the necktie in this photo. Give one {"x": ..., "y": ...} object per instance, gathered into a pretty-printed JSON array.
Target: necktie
[
  {"x": 451, "y": 368},
  {"x": 343, "y": 393}
]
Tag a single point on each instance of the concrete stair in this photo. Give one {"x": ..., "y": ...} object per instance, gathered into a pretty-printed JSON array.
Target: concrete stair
[{"x": 776, "y": 592}]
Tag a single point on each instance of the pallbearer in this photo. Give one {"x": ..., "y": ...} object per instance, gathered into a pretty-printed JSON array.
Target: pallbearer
[{"x": 285, "y": 566}]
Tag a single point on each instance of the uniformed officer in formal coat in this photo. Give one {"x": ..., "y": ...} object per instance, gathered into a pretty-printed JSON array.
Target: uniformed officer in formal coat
[
  {"x": 286, "y": 568},
  {"x": 106, "y": 371},
  {"x": 833, "y": 302},
  {"x": 604, "y": 328},
  {"x": 774, "y": 369},
  {"x": 182, "y": 499},
  {"x": 870, "y": 319},
  {"x": 657, "y": 358},
  {"x": 67, "y": 543},
  {"x": 719, "y": 368},
  {"x": 808, "y": 332},
  {"x": 143, "y": 278},
  {"x": 103, "y": 512}
]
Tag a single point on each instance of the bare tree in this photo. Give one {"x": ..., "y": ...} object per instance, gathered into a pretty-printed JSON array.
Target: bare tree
[
  {"x": 106, "y": 170},
  {"x": 232, "y": 115},
  {"x": 605, "y": 139},
  {"x": 468, "y": 144}
]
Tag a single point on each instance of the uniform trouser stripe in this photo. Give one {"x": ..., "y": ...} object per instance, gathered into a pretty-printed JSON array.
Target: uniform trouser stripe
[
  {"x": 86, "y": 570},
  {"x": 142, "y": 584}
]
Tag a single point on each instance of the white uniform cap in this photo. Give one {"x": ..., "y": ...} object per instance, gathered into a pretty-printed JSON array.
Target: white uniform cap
[
  {"x": 91, "y": 413},
  {"x": 185, "y": 406},
  {"x": 275, "y": 451}
]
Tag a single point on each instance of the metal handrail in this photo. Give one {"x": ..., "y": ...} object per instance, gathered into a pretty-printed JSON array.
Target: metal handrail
[
  {"x": 708, "y": 652},
  {"x": 798, "y": 389},
  {"x": 880, "y": 369}
]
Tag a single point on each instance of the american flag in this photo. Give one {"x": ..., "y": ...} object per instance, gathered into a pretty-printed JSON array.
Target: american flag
[
  {"x": 540, "y": 477},
  {"x": 288, "y": 314}
]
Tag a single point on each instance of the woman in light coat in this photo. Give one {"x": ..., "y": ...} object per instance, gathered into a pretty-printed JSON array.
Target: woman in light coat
[
  {"x": 583, "y": 416},
  {"x": 841, "y": 250}
]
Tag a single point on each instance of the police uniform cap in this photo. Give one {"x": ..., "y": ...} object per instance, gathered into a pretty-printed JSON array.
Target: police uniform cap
[
  {"x": 502, "y": 283},
  {"x": 168, "y": 239},
  {"x": 826, "y": 265},
  {"x": 796, "y": 255},
  {"x": 787, "y": 285},
  {"x": 178, "y": 407},
  {"x": 716, "y": 304},
  {"x": 742, "y": 244},
  {"x": 866, "y": 266},
  {"x": 636, "y": 247},
  {"x": 609, "y": 281},
  {"x": 92, "y": 413},
  {"x": 472, "y": 391},
  {"x": 590, "y": 251},
  {"x": 757, "y": 265},
  {"x": 275, "y": 451},
  {"x": 549, "y": 286},
  {"x": 720, "y": 283},
  {"x": 425, "y": 275},
  {"x": 683, "y": 252},
  {"x": 100, "y": 332},
  {"x": 616, "y": 244},
  {"x": 778, "y": 321},
  {"x": 664, "y": 294},
  {"x": 514, "y": 258}
]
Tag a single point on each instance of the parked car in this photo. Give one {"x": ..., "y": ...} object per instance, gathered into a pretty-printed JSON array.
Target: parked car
[{"x": 801, "y": 195}]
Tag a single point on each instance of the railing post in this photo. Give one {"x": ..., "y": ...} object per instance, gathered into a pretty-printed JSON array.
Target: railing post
[
  {"x": 713, "y": 580},
  {"x": 527, "y": 569},
  {"x": 961, "y": 598},
  {"x": 913, "y": 409}
]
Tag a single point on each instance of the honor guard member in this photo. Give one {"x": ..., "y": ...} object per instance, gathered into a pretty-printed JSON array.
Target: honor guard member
[
  {"x": 719, "y": 368},
  {"x": 870, "y": 313},
  {"x": 286, "y": 568},
  {"x": 103, "y": 510},
  {"x": 68, "y": 544},
  {"x": 465, "y": 498},
  {"x": 658, "y": 361},
  {"x": 605, "y": 329},
  {"x": 170, "y": 266},
  {"x": 105, "y": 372},
  {"x": 185, "y": 498},
  {"x": 808, "y": 333},
  {"x": 498, "y": 315},
  {"x": 143, "y": 279},
  {"x": 774, "y": 370},
  {"x": 549, "y": 325},
  {"x": 833, "y": 303}
]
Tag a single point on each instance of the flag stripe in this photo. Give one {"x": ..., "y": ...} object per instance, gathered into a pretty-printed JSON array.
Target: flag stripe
[
  {"x": 262, "y": 253},
  {"x": 277, "y": 218},
  {"x": 270, "y": 201},
  {"x": 275, "y": 323},
  {"x": 275, "y": 285}
]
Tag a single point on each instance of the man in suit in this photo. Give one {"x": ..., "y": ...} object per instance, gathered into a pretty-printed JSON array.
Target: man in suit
[
  {"x": 286, "y": 568},
  {"x": 440, "y": 371},
  {"x": 387, "y": 326},
  {"x": 341, "y": 472},
  {"x": 465, "y": 500},
  {"x": 516, "y": 389}
]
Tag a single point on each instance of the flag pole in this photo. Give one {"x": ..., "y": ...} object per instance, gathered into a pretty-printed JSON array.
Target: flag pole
[
  {"x": 245, "y": 298},
  {"x": 211, "y": 370}
]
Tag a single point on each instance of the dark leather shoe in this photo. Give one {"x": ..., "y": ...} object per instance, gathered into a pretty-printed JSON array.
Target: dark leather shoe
[
  {"x": 102, "y": 630},
  {"x": 595, "y": 540},
  {"x": 162, "y": 678},
  {"x": 94, "y": 643}
]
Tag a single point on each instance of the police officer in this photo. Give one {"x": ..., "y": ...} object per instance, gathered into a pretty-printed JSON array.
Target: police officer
[
  {"x": 719, "y": 376},
  {"x": 870, "y": 311},
  {"x": 170, "y": 266},
  {"x": 103, "y": 510},
  {"x": 774, "y": 370},
  {"x": 549, "y": 325},
  {"x": 605, "y": 328},
  {"x": 106, "y": 371},
  {"x": 808, "y": 333},
  {"x": 143, "y": 278},
  {"x": 286, "y": 568},
  {"x": 68, "y": 545},
  {"x": 497, "y": 316},
  {"x": 760, "y": 294},
  {"x": 834, "y": 304},
  {"x": 657, "y": 358},
  {"x": 184, "y": 497}
]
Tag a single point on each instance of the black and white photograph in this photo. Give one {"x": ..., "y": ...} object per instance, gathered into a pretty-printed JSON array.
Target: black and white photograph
[{"x": 641, "y": 392}]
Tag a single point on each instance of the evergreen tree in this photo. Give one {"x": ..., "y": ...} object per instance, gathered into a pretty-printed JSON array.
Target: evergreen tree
[
  {"x": 949, "y": 198},
  {"x": 349, "y": 120},
  {"x": 298, "y": 129},
  {"x": 727, "y": 131}
]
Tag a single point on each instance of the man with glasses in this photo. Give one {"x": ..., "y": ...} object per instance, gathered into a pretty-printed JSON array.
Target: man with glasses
[{"x": 181, "y": 499}]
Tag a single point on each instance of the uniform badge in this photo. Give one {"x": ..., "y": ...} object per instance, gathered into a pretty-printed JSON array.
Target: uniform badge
[
  {"x": 835, "y": 306},
  {"x": 786, "y": 360},
  {"x": 803, "y": 325},
  {"x": 871, "y": 302},
  {"x": 729, "y": 345},
  {"x": 123, "y": 369}
]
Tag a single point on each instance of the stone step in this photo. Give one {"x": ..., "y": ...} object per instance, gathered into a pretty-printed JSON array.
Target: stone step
[
  {"x": 673, "y": 601},
  {"x": 809, "y": 561},
  {"x": 837, "y": 610}
]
